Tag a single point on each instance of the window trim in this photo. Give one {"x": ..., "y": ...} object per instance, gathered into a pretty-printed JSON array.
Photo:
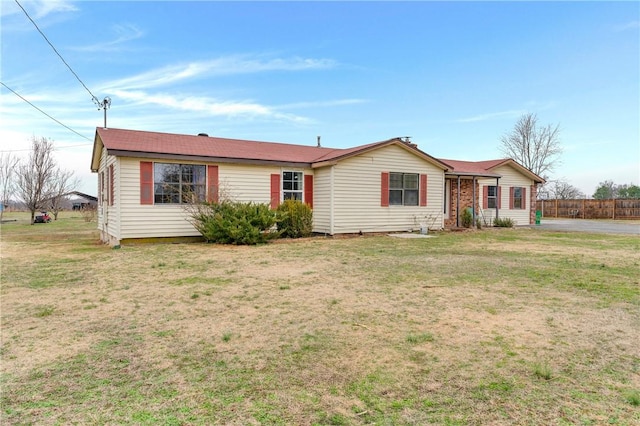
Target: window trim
[
  {"x": 521, "y": 198},
  {"x": 404, "y": 189},
  {"x": 300, "y": 182},
  {"x": 180, "y": 184},
  {"x": 493, "y": 197}
]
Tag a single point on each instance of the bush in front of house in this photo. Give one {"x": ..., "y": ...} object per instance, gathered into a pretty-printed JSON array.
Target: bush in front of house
[
  {"x": 294, "y": 219},
  {"x": 231, "y": 222},
  {"x": 505, "y": 222},
  {"x": 466, "y": 218}
]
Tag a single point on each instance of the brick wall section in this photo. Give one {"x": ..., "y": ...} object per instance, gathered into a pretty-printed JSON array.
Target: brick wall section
[
  {"x": 533, "y": 195},
  {"x": 466, "y": 199}
]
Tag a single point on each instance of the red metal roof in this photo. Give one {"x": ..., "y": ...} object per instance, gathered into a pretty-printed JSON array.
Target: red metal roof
[
  {"x": 485, "y": 168},
  {"x": 205, "y": 146},
  {"x": 473, "y": 167},
  {"x": 123, "y": 142}
]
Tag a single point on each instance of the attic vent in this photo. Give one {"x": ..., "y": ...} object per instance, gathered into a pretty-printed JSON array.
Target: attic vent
[{"x": 203, "y": 134}]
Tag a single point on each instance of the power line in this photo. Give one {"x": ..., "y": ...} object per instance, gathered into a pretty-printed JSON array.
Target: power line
[
  {"x": 93, "y": 97},
  {"x": 57, "y": 148},
  {"x": 57, "y": 121}
]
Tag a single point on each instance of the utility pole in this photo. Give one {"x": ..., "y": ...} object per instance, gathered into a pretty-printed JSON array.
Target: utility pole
[{"x": 104, "y": 105}]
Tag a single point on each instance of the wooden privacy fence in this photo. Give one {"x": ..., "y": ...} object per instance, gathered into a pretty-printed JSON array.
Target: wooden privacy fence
[{"x": 590, "y": 209}]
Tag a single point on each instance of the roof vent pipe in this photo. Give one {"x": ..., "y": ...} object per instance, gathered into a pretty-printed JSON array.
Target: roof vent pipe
[
  {"x": 203, "y": 134},
  {"x": 319, "y": 142}
]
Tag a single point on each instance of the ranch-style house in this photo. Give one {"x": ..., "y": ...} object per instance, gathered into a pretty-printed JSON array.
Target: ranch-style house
[{"x": 387, "y": 186}]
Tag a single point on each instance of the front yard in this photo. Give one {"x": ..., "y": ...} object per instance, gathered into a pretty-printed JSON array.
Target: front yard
[{"x": 498, "y": 326}]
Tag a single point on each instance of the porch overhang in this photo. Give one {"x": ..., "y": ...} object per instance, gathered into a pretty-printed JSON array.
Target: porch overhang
[{"x": 470, "y": 175}]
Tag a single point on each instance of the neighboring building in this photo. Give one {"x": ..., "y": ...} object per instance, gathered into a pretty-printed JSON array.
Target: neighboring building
[
  {"x": 145, "y": 178},
  {"x": 81, "y": 201}
]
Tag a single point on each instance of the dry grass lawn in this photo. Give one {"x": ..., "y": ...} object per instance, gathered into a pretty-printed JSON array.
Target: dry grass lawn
[{"x": 495, "y": 327}]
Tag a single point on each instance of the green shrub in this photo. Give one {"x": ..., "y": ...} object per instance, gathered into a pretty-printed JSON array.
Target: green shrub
[
  {"x": 467, "y": 218},
  {"x": 294, "y": 219},
  {"x": 503, "y": 222},
  {"x": 230, "y": 222}
]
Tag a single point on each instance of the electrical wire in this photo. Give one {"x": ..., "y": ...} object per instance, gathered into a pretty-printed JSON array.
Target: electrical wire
[
  {"x": 93, "y": 97},
  {"x": 57, "y": 121}
]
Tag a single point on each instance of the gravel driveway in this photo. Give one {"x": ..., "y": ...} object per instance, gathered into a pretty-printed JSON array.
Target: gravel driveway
[{"x": 585, "y": 225}]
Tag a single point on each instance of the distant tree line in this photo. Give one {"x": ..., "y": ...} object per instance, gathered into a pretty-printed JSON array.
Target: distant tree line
[
  {"x": 38, "y": 181},
  {"x": 608, "y": 190}
]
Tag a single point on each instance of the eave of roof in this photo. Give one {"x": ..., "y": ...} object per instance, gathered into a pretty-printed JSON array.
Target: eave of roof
[
  {"x": 487, "y": 168},
  {"x": 136, "y": 143}
]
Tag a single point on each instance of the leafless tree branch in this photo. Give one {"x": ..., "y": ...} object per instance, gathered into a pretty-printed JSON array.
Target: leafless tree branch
[
  {"x": 536, "y": 148},
  {"x": 33, "y": 176},
  {"x": 8, "y": 164}
]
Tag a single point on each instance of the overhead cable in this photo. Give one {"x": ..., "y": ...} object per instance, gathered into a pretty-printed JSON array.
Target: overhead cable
[
  {"x": 93, "y": 97},
  {"x": 57, "y": 121}
]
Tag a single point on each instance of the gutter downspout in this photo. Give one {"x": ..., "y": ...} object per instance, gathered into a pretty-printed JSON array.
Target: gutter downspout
[
  {"x": 458, "y": 204},
  {"x": 498, "y": 196},
  {"x": 473, "y": 202},
  {"x": 331, "y": 202}
]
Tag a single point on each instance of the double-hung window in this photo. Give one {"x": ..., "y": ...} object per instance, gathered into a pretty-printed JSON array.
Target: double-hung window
[
  {"x": 178, "y": 183},
  {"x": 403, "y": 189},
  {"x": 492, "y": 197},
  {"x": 518, "y": 198},
  {"x": 292, "y": 185}
]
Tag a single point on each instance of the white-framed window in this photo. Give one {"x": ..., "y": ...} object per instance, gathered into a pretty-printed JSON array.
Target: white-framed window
[
  {"x": 178, "y": 183},
  {"x": 517, "y": 198},
  {"x": 403, "y": 189},
  {"x": 492, "y": 197},
  {"x": 292, "y": 185}
]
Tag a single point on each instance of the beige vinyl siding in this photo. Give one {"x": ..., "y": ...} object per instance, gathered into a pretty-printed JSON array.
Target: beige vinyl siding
[
  {"x": 108, "y": 222},
  {"x": 510, "y": 178},
  {"x": 251, "y": 183},
  {"x": 357, "y": 190},
  {"x": 322, "y": 200},
  {"x": 148, "y": 221},
  {"x": 237, "y": 182}
]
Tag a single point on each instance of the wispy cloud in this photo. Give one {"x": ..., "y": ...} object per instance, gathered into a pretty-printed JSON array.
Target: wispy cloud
[
  {"x": 208, "y": 106},
  {"x": 38, "y": 9},
  {"x": 322, "y": 104},
  {"x": 230, "y": 65},
  {"x": 123, "y": 33},
  {"x": 492, "y": 116},
  {"x": 627, "y": 26}
]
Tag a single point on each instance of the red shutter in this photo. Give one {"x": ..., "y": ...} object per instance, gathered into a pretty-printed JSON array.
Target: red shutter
[
  {"x": 275, "y": 190},
  {"x": 423, "y": 190},
  {"x": 308, "y": 190},
  {"x": 499, "y": 197},
  {"x": 212, "y": 184},
  {"x": 524, "y": 198},
  {"x": 111, "y": 179},
  {"x": 485, "y": 197},
  {"x": 511, "y": 198},
  {"x": 146, "y": 182},
  {"x": 384, "y": 189}
]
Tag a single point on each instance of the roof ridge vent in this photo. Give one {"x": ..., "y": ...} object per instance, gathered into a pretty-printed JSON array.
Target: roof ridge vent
[{"x": 203, "y": 134}]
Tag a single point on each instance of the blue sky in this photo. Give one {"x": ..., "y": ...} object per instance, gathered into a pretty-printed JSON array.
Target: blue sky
[{"x": 454, "y": 76}]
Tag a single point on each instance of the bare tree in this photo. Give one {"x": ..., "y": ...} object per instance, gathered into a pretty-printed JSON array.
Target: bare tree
[
  {"x": 536, "y": 148},
  {"x": 8, "y": 164},
  {"x": 33, "y": 176},
  {"x": 62, "y": 182},
  {"x": 563, "y": 190}
]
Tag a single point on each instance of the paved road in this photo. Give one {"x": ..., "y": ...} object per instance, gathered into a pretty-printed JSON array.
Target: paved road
[{"x": 585, "y": 225}]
